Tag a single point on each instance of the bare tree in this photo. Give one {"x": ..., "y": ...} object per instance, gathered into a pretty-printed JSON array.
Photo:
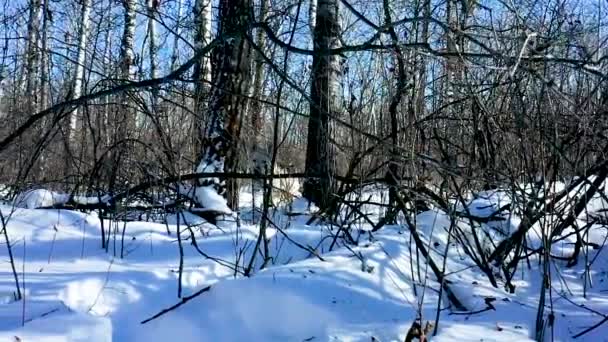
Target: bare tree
[
  {"x": 202, "y": 70},
  {"x": 33, "y": 54},
  {"x": 176, "y": 37},
  {"x": 85, "y": 20},
  {"x": 258, "y": 80},
  {"x": 44, "y": 59},
  {"x": 125, "y": 120},
  {"x": 326, "y": 101},
  {"x": 227, "y": 104}
]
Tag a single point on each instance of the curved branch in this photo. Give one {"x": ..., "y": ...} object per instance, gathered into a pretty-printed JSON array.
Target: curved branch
[{"x": 64, "y": 108}]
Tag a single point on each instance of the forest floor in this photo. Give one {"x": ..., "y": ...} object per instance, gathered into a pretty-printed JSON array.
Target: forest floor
[{"x": 76, "y": 291}]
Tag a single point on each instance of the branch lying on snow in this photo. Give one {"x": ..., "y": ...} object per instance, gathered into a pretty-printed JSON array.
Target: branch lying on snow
[
  {"x": 225, "y": 175},
  {"x": 42, "y": 315},
  {"x": 506, "y": 245},
  {"x": 425, "y": 252},
  {"x": 110, "y": 201},
  {"x": 494, "y": 217},
  {"x": 178, "y": 304},
  {"x": 591, "y": 328},
  {"x": 312, "y": 251}
]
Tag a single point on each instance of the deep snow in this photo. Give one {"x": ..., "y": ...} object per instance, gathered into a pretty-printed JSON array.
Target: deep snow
[{"x": 75, "y": 291}]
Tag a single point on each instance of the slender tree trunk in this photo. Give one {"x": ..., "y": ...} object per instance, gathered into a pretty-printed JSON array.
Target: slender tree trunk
[
  {"x": 202, "y": 71},
  {"x": 107, "y": 130},
  {"x": 85, "y": 20},
  {"x": 178, "y": 31},
  {"x": 152, "y": 10},
  {"x": 127, "y": 55},
  {"x": 258, "y": 84},
  {"x": 312, "y": 13},
  {"x": 422, "y": 63},
  {"x": 451, "y": 62},
  {"x": 33, "y": 31},
  {"x": 44, "y": 75},
  {"x": 394, "y": 168},
  {"x": 227, "y": 105},
  {"x": 125, "y": 121},
  {"x": 453, "y": 80},
  {"x": 326, "y": 100}
]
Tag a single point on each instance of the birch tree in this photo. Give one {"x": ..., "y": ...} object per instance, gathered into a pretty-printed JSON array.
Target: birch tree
[
  {"x": 202, "y": 70},
  {"x": 176, "y": 37},
  {"x": 152, "y": 10},
  {"x": 258, "y": 83},
  {"x": 127, "y": 55},
  {"x": 85, "y": 20}
]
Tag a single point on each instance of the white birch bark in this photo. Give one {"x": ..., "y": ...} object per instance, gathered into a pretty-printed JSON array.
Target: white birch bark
[{"x": 85, "y": 20}]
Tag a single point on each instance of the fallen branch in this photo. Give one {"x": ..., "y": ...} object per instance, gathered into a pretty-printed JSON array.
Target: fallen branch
[
  {"x": 591, "y": 328},
  {"x": 507, "y": 245},
  {"x": 425, "y": 252},
  {"x": 42, "y": 315},
  {"x": 178, "y": 304}
]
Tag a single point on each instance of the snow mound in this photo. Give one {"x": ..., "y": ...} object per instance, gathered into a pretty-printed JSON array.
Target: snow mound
[
  {"x": 489, "y": 203},
  {"x": 39, "y": 198},
  {"x": 63, "y": 327},
  {"x": 208, "y": 197}
]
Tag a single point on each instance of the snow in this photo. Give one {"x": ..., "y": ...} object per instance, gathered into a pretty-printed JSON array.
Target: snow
[
  {"x": 211, "y": 200},
  {"x": 63, "y": 326},
  {"x": 41, "y": 198},
  {"x": 76, "y": 291},
  {"x": 38, "y": 198},
  {"x": 207, "y": 196}
]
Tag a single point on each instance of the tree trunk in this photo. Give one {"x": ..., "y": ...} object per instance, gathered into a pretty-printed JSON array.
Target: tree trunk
[
  {"x": 227, "y": 105},
  {"x": 326, "y": 100},
  {"x": 312, "y": 12},
  {"x": 127, "y": 55},
  {"x": 258, "y": 85},
  {"x": 33, "y": 30},
  {"x": 152, "y": 10},
  {"x": 178, "y": 31},
  {"x": 105, "y": 121},
  {"x": 125, "y": 120},
  {"x": 44, "y": 74},
  {"x": 394, "y": 167},
  {"x": 202, "y": 71},
  {"x": 422, "y": 62},
  {"x": 85, "y": 20}
]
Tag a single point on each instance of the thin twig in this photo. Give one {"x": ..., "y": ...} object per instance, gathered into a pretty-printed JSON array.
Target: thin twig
[{"x": 177, "y": 305}]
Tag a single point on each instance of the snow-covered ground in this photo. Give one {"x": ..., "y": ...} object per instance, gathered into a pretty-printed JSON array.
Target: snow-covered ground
[{"x": 309, "y": 291}]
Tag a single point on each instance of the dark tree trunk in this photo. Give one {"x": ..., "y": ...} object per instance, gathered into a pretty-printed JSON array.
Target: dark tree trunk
[
  {"x": 326, "y": 100},
  {"x": 32, "y": 56},
  {"x": 394, "y": 169},
  {"x": 228, "y": 103},
  {"x": 125, "y": 119}
]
